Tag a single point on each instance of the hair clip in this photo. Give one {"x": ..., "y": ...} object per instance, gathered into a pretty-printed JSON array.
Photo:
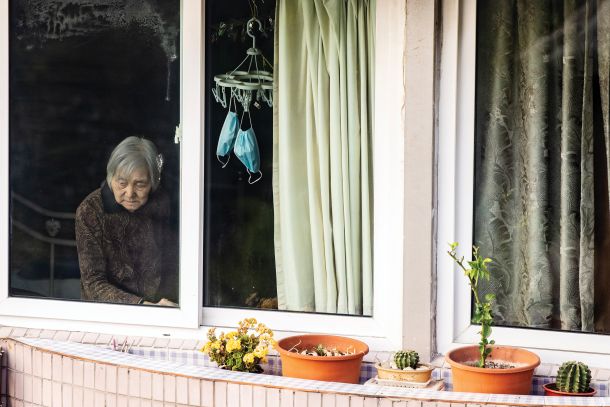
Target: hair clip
[{"x": 160, "y": 163}]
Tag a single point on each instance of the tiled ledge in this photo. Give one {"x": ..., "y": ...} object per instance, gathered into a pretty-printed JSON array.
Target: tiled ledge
[{"x": 45, "y": 372}]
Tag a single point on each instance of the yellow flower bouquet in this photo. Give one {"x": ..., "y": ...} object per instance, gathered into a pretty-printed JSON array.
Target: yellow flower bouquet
[{"x": 242, "y": 350}]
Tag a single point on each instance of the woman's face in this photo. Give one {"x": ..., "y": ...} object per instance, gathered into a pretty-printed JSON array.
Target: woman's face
[{"x": 131, "y": 192}]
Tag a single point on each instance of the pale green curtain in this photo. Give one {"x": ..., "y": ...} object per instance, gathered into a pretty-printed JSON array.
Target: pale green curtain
[
  {"x": 542, "y": 100},
  {"x": 322, "y": 169}
]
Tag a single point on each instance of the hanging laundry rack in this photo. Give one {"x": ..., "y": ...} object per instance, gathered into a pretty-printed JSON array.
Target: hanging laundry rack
[{"x": 251, "y": 80}]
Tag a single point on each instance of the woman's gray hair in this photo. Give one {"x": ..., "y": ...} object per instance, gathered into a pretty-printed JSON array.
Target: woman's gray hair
[{"x": 131, "y": 154}]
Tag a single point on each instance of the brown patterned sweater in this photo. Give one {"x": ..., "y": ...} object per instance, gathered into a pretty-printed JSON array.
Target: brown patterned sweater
[{"x": 125, "y": 257}]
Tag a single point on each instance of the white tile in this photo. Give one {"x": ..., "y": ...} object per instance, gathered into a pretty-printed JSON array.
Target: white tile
[
  {"x": 328, "y": 400},
  {"x": 145, "y": 385},
  {"x": 342, "y": 400},
  {"x": 47, "y": 393},
  {"x": 194, "y": 390},
  {"x": 56, "y": 397},
  {"x": 157, "y": 386},
  {"x": 372, "y": 402},
  {"x": 5, "y": 331},
  {"x": 123, "y": 381},
  {"x": 286, "y": 398},
  {"x": 27, "y": 388},
  {"x": 259, "y": 396},
  {"x": 100, "y": 399},
  {"x": 78, "y": 370},
  {"x": 89, "y": 375},
  {"x": 245, "y": 396},
  {"x": 356, "y": 401},
  {"x": 220, "y": 394},
  {"x": 66, "y": 395},
  {"x": 300, "y": 399},
  {"x": 77, "y": 396},
  {"x": 36, "y": 362},
  {"x": 18, "y": 356},
  {"x": 57, "y": 367},
  {"x": 169, "y": 388},
  {"x": 273, "y": 397},
  {"x": 90, "y": 337},
  {"x": 122, "y": 401},
  {"x": 133, "y": 402},
  {"x": 111, "y": 379},
  {"x": 182, "y": 390},
  {"x": 207, "y": 393},
  {"x": 233, "y": 394},
  {"x": 134, "y": 382},
  {"x": 88, "y": 397},
  {"x": 61, "y": 336},
  {"x": 111, "y": 400},
  {"x": 36, "y": 390},
  {"x": 66, "y": 371},
  {"x": 314, "y": 399},
  {"x": 47, "y": 365},
  {"x": 18, "y": 392},
  {"x": 100, "y": 377},
  {"x": 76, "y": 337},
  {"x": 47, "y": 334}
]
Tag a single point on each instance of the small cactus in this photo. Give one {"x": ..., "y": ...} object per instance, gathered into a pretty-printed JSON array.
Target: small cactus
[
  {"x": 573, "y": 377},
  {"x": 406, "y": 358}
]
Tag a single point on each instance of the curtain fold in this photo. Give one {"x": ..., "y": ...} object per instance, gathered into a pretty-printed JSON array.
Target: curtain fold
[
  {"x": 322, "y": 164},
  {"x": 536, "y": 125}
]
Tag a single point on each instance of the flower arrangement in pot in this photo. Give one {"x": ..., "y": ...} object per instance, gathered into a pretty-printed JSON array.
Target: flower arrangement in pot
[
  {"x": 486, "y": 367},
  {"x": 242, "y": 350},
  {"x": 573, "y": 379},
  {"x": 405, "y": 367},
  {"x": 322, "y": 357}
]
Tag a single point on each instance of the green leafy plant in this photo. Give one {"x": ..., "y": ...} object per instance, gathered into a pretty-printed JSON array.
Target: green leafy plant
[
  {"x": 476, "y": 270},
  {"x": 574, "y": 377},
  {"x": 406, "y": 358}
]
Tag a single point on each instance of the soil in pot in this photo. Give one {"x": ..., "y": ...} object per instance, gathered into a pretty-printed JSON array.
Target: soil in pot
[
  {"x": 510, "y": 380},
  {"x": 342, "y": 368}
]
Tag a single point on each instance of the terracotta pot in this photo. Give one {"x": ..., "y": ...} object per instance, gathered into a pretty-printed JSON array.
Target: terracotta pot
[
  {"x": 385, "y": 372},
  {"x": 517, "y": 380},
  {"x": 550, "y": 389},
  {"x": 344, "y": 369}
]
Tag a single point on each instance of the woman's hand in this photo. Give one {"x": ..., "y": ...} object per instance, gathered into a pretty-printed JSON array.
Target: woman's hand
[
  {"x": 167, "y": 303},
  {"x": 163, "y": 301}
]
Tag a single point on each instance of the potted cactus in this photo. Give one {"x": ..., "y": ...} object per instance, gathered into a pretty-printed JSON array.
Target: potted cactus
[
  {"x": 573, "y": 379},
  {"x": 405, "y": 366},
  {"x": 486, "y": 367}
]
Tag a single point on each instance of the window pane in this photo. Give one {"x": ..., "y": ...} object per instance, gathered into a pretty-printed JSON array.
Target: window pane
[
  {"x": 94, "y": 171},
  {"x": 288, "y": 156},
  {"x": 541, "y": 187}
]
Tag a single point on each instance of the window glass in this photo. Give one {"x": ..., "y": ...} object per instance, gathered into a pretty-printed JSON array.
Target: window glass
[
  {"x": 288, "y": 144},
  {"x": 94, "y": 170},
  {"x": 541, "y": 184}
]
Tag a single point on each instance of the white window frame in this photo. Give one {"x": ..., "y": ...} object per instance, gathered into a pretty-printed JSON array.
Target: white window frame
[
  {"x": 455, "y": 206},
  {"x": 187, "y": 316},
  {"x": 383, "y": 331}
]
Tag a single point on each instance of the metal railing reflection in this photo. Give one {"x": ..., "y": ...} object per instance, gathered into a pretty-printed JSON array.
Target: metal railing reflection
[{"x": 53, "y": 226}]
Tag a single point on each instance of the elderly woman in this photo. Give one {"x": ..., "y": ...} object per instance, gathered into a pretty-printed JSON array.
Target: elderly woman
[{"x": 122, "y": 231}]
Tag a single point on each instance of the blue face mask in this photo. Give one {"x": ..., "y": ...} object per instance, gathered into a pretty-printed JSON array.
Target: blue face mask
[
  {"x": 227, "y": 137},
  {"x": 246, "y": 149}
]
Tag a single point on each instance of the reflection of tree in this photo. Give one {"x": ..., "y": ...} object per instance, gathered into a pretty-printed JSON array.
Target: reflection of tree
[{"x": 42, "y": 20}]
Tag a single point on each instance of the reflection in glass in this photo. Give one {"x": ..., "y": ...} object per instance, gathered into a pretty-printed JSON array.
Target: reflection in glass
[
  {"x": 541, "y": 175},
  {"x": 85, "y": 75},
  {"x": 290, "y": 100}
]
